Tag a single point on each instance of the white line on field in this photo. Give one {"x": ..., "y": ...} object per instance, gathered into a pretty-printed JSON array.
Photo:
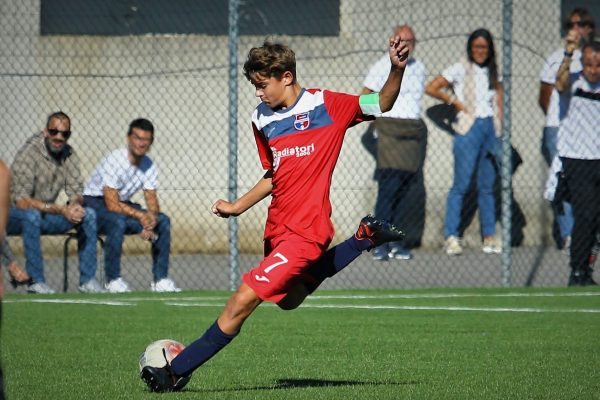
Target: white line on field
[
  {"x": 413, "y": 308},
  {"x": 74, "y": 301}
]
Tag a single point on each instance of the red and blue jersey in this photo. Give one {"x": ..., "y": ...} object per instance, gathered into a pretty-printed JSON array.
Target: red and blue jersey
[{"x": 301, "y": 144}]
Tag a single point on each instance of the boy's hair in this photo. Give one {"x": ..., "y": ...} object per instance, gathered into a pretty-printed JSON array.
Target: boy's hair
[
  {"x": 143, "y": 124},
  {"x": 270, "y": 60}
]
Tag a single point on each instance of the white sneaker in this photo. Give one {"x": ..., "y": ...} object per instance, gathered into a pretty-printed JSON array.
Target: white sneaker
[
  {"x": 117, "y": 286},
  {"x": 453, "y": 246},
  {"x": 164, "y": 285},
  {"x": 40, "y": 288},
  {"x": 491, "y": 245},
  {"x": 92, "y": 286}
]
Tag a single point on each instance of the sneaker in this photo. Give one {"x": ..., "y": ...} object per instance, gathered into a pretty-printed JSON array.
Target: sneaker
[
  {"x": 92, "y": 286},
  {"x": 377, "y": 231},
  {"x": 453, "y": 246},
  {"x": 117, "y": 286},
  {"x": 40, "y": 288},
  {"x": 491, "y": 245},
  {"x": 399, "y": 252},
  {"x": 380, "y": 253},
  {"x": 164, "y": 285}
]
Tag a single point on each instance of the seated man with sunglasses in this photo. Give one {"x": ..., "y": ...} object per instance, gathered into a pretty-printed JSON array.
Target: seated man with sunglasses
[{"x": 42, "y": 168}]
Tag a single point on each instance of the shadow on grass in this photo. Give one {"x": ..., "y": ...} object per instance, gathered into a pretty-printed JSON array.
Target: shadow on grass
[{"x": 284, "y": 384}]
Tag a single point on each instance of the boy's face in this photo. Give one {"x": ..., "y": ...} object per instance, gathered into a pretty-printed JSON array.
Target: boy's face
[
  {"x": 591, "y": 65},
  {"x": 272, "y": 90}
]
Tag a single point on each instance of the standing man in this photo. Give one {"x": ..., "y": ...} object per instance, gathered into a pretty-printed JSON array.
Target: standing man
[
  {"x": 579, "y": 24},
  {"x": 401, "y": 147},
  {"x": 579, "y": 151},
  {"x": 43, "y": 167},
  {"x": 114, "y": 181}
]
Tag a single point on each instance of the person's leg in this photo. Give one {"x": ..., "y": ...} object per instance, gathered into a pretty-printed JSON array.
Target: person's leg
[
  {"x": 113, "y": 226},
  {"x": 580, "y": 179},
  {"x": 386, "y": 189},
  {"x": 161, "y": 248},
  {"x": 28, "y": 223},
  {"x": 87, "y": 235},
  {"x": 465, "y": 158},
  {"x": 486, "y": 176}
]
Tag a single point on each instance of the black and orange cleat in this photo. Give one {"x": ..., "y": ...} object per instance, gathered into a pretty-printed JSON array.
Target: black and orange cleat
[{"x": 377, "y": 231}]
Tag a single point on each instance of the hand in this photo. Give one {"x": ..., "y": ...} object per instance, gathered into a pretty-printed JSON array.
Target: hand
[
  {"x": 74, "y": 213},
  {"x": 148, "y": 220},
  {"x": 458, "y": 105},
  {"x": 572, "y": 40},
  {"x": 147, "y": 234},
  {"x": 399, "y": 52},
  {"x": 223, "y": 209}
]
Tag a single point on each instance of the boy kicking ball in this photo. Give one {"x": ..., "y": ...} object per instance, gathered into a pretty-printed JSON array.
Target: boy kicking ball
[{"x": 299, "y": 134}]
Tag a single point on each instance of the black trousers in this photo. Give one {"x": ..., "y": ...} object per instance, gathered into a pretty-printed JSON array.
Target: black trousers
[{"x": 583, "y": 182}]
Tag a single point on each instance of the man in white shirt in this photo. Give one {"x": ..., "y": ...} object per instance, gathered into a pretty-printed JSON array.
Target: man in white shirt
[
  {"x": 114, "y": 181},
  {"x": 402, "y": 141},
  {"x": 579, "y": 151},
  {"x": 580, "y": 22}
]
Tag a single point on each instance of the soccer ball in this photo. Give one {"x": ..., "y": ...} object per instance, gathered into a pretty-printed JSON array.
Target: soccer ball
[{"x": 158, "y": 353}]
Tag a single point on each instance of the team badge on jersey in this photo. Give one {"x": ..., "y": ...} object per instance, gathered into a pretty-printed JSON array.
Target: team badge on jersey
[{"x": 301, "y": 121}]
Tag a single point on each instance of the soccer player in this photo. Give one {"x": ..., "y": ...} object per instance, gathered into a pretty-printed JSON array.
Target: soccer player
[{"x": 299, "y": 134}]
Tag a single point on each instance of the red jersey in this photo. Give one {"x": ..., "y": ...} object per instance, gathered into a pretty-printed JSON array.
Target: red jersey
[{"x": 301, "y": 144}]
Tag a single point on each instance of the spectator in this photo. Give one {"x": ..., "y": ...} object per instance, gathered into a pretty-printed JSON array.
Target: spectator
[
  {"x": 579, "y": 150},
  {"x": 580, "y": 22},
  {"x": 44, "y": 166},
  {"x": 114, "y": 181},
  {"x": 401, "y": 145},
  {"x": 476, "y": 93},
  {"x": 18, "y": 277}
]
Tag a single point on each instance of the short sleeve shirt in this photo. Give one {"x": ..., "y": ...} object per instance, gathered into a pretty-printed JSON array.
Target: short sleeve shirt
[
  {"x": 408, "y": 103},
  {"x": 301, "y": 144},
  {"x": 578, "y": 133},
  {"x": 484, "y": 96},
  {"x": 117, "y": 172}
]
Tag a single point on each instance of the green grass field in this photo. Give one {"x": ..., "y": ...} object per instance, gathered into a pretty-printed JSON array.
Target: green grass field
[{"x": 417, "y": 344}]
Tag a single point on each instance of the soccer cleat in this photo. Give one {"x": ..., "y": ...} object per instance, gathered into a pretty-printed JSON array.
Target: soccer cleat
[
  {"x": 162, "y": 379},
  {"x": 377, "y": 231},
  {"x": 380, "y": 253}
]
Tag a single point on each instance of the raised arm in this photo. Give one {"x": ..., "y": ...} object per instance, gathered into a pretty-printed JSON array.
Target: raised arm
[
  {"x": 562, "y": 77},
  {"x": 391, "y": 88},
  {"x": 262, "y": 189}
]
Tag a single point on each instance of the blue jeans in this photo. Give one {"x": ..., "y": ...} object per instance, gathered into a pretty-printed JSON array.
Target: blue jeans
[
  {"x": 549, "y": 150},
  {"x": 32, "y": 224},
  {"x": 472, "y": 152},
  {"x": 116, "y": 225}
]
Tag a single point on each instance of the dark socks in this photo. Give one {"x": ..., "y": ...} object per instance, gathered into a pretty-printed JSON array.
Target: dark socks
[
  {"x": 338, "y": 258},
  {"x": 200, "y": 351}
]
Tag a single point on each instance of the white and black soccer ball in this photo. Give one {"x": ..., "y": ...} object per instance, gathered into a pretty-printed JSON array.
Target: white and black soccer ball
[{"x": 161, "y": 352}]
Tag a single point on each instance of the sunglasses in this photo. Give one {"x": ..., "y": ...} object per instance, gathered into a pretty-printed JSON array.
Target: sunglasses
[
  {"x": 54, "y": 132},
  {"x": 579, "y": 24}
]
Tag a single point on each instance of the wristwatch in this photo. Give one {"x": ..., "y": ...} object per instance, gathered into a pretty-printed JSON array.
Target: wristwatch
[{"x": 46, "y": 206}]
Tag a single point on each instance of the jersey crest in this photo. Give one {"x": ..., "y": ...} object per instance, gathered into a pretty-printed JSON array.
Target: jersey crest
[{"x": 301, "y": 121}]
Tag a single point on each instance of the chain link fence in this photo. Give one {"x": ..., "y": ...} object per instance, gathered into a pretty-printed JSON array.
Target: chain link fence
[{"x": 105, "y": 65}]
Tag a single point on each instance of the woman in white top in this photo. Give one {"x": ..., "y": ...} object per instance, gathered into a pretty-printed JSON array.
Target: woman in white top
[{"x": 472, "y": 87}]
